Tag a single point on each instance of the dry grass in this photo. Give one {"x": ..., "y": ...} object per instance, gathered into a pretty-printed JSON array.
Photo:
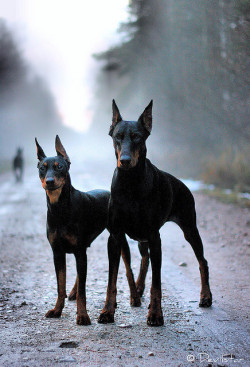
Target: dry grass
[
  {"x": 229, "y": 170},
  {"x": 230, "y": 197}
]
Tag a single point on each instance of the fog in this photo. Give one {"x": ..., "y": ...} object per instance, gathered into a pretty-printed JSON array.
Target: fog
[
  {"x": 29, "y": 108},
  {"x": 191, "y": 58}
]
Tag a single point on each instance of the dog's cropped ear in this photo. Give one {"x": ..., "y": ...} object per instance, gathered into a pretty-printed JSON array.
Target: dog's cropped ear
[
  {"x": 61, "y": 151},
  {"x": 146, "y": 117},
  {"x": 40, "y": 153},
  {"x": 116, "y": 117}
]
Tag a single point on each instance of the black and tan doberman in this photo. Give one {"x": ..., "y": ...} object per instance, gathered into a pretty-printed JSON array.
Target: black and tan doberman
[
  {"x": 142, "y": 199},
  {"x": 74, "y": 220}
]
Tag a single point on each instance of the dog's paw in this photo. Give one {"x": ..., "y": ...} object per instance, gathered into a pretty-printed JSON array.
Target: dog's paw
[
  {"x": 206, "y": 300},
  {"x": 106, "y": 318},
  {"x": 83, "y": 320},
  {"x": 72, "y": 296},
  {"x": 135, "y": 301},
  {"x": 53, "y": 313},
  {"x": 155, "y": 319}
]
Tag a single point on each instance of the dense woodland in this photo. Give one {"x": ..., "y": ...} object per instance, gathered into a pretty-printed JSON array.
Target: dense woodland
[{"x": 192, "y": 59}]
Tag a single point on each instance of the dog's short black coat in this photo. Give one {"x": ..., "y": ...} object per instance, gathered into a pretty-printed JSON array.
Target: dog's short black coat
[
  {"x": 74, "y": 220},
  {"x": 143, "y": 198}
]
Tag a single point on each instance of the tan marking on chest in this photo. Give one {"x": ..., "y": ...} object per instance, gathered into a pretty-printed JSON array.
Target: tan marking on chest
[
  {"x": 54, "y": 195},
  {"x": 70, "y": 238}
]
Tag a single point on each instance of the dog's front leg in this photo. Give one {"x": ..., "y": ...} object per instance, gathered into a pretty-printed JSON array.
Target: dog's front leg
[
  {"x": 155, "y": 317},
  {"x": 81, "y": 265},
  {"x": 114, "y": 254},
  {"x": 60, "y": 268},
  {"x": 135, "y": 300}
]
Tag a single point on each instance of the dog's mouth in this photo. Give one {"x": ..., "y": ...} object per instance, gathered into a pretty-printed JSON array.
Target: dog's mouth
[
  {"x": 52, "y": 185},
  {"x": 52, "y": 188},
  {"x": 126, "y": 162},
  {"x": 125, "y": 167}
]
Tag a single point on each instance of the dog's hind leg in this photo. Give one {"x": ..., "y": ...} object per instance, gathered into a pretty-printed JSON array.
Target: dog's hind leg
[
  {"x": 193, "y": 237},
  {"x": 187, "y": 223},
  {"x": 155, "y": 317},
  {"x": 134, "y": 296},
  {"x": 185, "y": 217},
  {"x": 140, "y": 283},
  {"x": 72, "y": 295}
]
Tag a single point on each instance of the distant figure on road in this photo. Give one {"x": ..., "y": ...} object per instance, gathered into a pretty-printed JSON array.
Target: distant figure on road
[{"x": 18, "y": 164}]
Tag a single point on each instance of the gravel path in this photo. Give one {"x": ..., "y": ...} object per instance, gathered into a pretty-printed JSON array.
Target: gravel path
[{"x": 190, "y": 337}]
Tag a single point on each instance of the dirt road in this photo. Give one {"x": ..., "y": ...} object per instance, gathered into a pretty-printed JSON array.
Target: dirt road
[{"x": 191, "y": 336}]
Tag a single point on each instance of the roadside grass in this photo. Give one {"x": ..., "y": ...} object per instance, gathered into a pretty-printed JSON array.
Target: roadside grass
[
  {"x": 230, "y": 170},
  {"x": 228, "y": 196},
  {"x": 230, "y": 174}
]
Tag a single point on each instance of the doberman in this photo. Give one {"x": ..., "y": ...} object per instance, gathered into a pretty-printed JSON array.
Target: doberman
[
  {"x": 142, "y": 199},
  {"x": 18, "y": 163},
  {"x": 74, "y": 220}
]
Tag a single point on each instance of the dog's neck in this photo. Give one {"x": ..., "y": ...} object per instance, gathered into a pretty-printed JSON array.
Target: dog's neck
[
  {"x": 59, "y": 197},
  {"x": 133, "y": 173},
  {"x": 135, "y": 180}
]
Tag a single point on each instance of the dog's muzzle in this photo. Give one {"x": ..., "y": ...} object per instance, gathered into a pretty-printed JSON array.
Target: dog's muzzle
[{"x": 125, "y": 162}]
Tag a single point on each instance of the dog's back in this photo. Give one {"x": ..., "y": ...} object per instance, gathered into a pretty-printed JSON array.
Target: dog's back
[{"x": 90, "y": 210}]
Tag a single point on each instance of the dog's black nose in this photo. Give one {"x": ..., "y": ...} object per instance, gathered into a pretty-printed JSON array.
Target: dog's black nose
[
  {"x": 125, "y": 162},
  {"x": 50, "y": 181}
]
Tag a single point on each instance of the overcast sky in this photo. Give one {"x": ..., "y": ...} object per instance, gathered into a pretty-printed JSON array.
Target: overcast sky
[{"x": 58, "y": 38}]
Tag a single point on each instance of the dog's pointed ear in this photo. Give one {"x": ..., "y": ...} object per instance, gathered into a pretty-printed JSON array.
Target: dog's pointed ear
[
  {"x": 146, "y": 117},
  {"x": 40, "y": 153},
  {"x": 61, "y": 151},
  {"x": 116, "y": 117}
]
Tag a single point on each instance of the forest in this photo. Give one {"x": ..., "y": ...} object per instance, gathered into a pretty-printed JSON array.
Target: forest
[{"x": 192, "y": 59}]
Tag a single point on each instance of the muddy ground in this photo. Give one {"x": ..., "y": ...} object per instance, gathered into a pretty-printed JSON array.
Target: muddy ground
[{"x": 191, "y": 336}]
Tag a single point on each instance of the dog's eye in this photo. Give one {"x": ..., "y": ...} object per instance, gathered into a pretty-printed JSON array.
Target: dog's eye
[
  {"x": 42, "y": 168},
  {"x": 59, "y": 166},
  {"x": 134, "y": 136},
  {"x": 119, "y": 136}
]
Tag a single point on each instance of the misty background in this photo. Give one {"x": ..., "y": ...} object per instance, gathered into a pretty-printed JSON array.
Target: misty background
[
  {"x": 190, "y": 57},
  {"x": 27, "y": 107}
]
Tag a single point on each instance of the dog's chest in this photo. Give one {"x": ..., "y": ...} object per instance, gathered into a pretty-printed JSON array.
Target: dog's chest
[
  {"x": 133, "y": 217},
  {"x": 63, "y": 238}
]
